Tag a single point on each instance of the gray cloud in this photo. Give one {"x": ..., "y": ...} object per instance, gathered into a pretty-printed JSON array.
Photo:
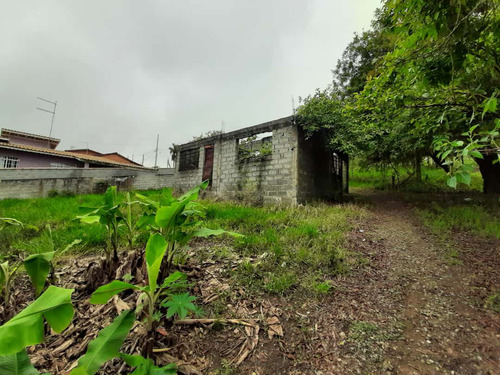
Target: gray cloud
[{"x": 124, "y": 71}]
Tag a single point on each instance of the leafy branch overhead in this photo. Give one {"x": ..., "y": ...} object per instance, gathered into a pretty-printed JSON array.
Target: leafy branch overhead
[{"x": 423, "y": 82}]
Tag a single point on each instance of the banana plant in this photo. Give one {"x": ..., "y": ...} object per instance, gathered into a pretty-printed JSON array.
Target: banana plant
[
  {"x": 107, "y": 345},
  {"x": 130, "y": 222},
  {"x": 38, "y": 266},
  {"x": 108, "y": 215},
  {"x": 147, "y": 220},
  {"x": 6, "y": 275},
  {"x": 179, "y": 220},
  {"x": 153, "y": 293},
  {"x": 27, "y": 327},
  {"x": 103, "y": 348},
  {"x": 17, "y": 364}
]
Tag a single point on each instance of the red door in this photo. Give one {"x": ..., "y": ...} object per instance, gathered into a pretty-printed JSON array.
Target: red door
[{"x": 208, "y": 166}]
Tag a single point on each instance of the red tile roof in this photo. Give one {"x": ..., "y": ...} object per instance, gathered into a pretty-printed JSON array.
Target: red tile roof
[
  {"x": 65, "y": 154},
  {"x": 7, "y": 132}
]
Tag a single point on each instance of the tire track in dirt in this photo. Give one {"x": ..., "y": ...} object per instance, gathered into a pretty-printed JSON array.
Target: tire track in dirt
[{"x": 445, "y": 329}]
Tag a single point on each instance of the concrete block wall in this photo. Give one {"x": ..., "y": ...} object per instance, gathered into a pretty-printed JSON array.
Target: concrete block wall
[
  {"x": 298, "y": 170},
  {"x": 185, "y": 180},
  {"x": 315, "y": 178},
  {"x": 269, "y": 179},
  {"x": 33, "y": 183}
]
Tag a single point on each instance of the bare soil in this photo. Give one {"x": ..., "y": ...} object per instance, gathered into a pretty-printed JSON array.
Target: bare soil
[{"x": 403, "y": 308}]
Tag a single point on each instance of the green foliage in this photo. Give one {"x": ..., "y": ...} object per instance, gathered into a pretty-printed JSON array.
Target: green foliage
[
  {"x": 178, "y": 220},
  {"x": 6, "y": 275},
  {"x": 107, "y": 344},
  {"x": 179, "y": 304},
  {"x": 10, "y": 221},
  {"x": 493, "y": 302},
  {"x": 59, "y": 213},
  {"x": 254, "y": 149},
  {"x": 363, "y": 331},
  {"x": 17, "y": 364},
  {"x": 130, "y": 221},
  {"x": 279, "y": 283},
  {"x": 476, "y": 219},
  {"x": 108, "y": 215},
  {"x": 27, "y": 327},
  {"x": 104, "y": 293},
  {"x": 322, "y": 287},
  {"x": 424, "y": 81},
  {"x": 454, "y": 152},
  {"x": 226, "y": 368},
  {"x": 38, "y": 267},
  {"x": 145, "y": 366},
  {"x": 440, "y": 73},
  {"x": 155, "y": 251},
  {"x": 283, "y": 247},
  {"x": 433, "y": 179}
]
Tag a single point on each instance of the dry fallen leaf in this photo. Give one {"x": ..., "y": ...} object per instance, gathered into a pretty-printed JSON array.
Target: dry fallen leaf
[{"x": 274, "y": 327}]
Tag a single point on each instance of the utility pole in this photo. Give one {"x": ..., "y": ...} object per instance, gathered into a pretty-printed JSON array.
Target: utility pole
[
  {"x": 142, "y": 159},
  {"x": 53, "y": 115},
  {"x": 156, "y": 154}
]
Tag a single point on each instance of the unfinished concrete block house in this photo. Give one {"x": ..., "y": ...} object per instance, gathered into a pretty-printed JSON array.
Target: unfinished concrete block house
[{"x": 273, "y": 162}]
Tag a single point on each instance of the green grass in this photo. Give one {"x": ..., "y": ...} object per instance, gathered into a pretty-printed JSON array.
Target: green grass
[
  {"x": 433, "y": 180},
  {"x": 473, "y": 218},
  {"x": 285, "y": 248},
  {"x": 493, "y": 302},
  {"x": 59, "y": 212}
]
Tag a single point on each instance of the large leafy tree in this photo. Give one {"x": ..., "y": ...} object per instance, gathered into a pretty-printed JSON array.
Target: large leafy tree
[
  {"x": 443, "y": 76},
  {"x": 433, "y": 92},
  {"x": 349, "y": 127}
]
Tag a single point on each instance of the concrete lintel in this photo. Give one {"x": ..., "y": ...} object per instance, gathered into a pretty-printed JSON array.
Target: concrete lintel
[{"x": 241, "y": 133}]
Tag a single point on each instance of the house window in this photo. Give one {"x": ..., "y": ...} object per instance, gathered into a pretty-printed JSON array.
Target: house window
[
  {"x": 189, "y": 159},
  {"x": 8, "y": 162}
]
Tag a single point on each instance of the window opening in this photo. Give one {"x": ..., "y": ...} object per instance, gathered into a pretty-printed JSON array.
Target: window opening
[
  {"x": 257, "y": 146},
  {"x": 189, "y": 159}
]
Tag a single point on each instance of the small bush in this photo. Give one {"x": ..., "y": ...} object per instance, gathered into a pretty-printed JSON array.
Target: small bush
[
  {"x": 53, "y": 193},
  {"x": 323, "y": 287}
]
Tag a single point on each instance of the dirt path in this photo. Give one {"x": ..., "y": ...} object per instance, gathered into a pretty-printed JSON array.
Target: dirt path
[{"x": 445, "y": 328}]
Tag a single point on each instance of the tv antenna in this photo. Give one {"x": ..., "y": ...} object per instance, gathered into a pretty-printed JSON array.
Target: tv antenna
[{"x": 53, "y": 114}]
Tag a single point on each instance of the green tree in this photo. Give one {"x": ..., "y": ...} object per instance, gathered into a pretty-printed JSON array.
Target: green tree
[
  {"x": 423, "y": 82},
  {"x": 441, "y": 78}
]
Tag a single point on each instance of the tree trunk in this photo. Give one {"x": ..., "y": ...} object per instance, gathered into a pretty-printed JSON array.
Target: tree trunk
[
  {"x": 490, "y": 173},
  {"x": 439, "y": 163},
  {"x": 418, "y": 167}
]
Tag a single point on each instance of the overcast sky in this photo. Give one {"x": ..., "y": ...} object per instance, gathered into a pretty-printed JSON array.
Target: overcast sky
[{"x": 124, "y": 71}]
